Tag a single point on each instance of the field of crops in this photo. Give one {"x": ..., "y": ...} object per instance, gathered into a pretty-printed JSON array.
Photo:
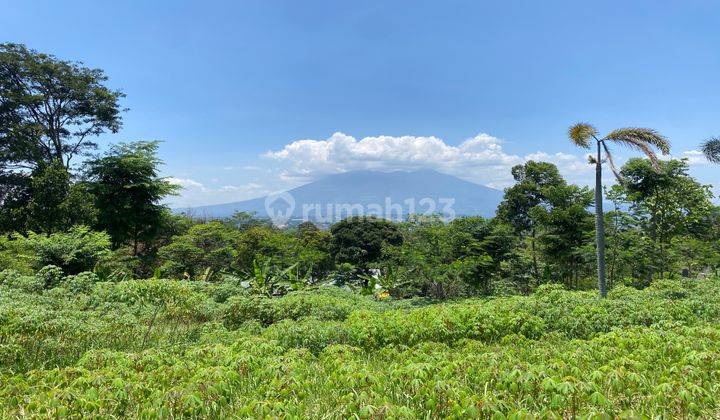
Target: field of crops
[{"x": 147, "y": 348}]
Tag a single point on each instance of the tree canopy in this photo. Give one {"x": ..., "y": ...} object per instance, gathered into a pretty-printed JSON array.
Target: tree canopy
[
  {"x": 128, "y": 192},
  {"x": 51, "y": 109}
]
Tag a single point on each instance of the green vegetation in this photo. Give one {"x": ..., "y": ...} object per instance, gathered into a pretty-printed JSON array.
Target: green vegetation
[
  {"x": 113, "y": 306},
  {"x": 154, "y": 347}
]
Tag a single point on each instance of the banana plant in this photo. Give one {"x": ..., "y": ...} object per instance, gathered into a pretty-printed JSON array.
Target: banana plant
[{"x": 267, "y": 280}]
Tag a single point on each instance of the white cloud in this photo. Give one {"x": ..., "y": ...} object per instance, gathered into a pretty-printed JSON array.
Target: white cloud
[
  {"x": 242, "y": 168},
  {"x": 184, "y": 182},
  {"x": 694, "y": 157},
  {"x": 479, "y": 159},
  {"x": 195, "y": 193}
]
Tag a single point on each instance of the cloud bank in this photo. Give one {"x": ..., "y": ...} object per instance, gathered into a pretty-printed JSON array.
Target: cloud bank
[{"x": 480, "y": 159}]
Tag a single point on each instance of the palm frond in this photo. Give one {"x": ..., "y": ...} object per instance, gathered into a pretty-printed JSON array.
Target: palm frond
[
  {"x": 611, "y": 161},
  {"x": 711, "y": 149},
  {"x": 580, "y": 134},
  {"x": 643, "y": 147},
  {"x": 637, "y": 135},
  {"x": 643, "y": 139}
]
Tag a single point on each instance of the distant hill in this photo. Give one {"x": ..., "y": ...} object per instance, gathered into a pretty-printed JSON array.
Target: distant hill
[{"x": 388, "y": 194}]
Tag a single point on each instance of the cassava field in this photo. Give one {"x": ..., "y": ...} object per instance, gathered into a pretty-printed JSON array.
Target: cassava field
[{"x": 148, "y": 348}]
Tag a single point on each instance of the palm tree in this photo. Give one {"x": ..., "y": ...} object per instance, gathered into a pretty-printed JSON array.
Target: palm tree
[
  {"x": 711, "y": 149},
  {"x": 642, "y": 139}
]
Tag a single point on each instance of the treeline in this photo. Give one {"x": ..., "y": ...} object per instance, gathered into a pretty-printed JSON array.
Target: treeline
[
  {"x": 662, "y": 224},
  {"x": 104, "y": 214}
]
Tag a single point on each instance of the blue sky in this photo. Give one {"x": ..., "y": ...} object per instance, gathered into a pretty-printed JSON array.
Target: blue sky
[{"x": 465, "y": 87}]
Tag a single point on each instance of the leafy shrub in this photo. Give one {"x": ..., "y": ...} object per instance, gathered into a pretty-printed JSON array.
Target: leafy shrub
[
  {"x": 81, "y": 282},
  {"x": 177, "y": 298},
  {"x": 227, "y": 289},
  {"x": 50, "y": 275},
  {"x": 118, "y": 265},
  {"x": 16, "y": 254},
  {"x": 222, "y": 290},
  {"x": 8, "y": 276},
  {"x": 204, "y": 250},
  {"x": 30, "y": 284},
  {"x": 75, "y": 251},
  {"x": 625, "y": 374},
  {"x": 325, "y": 303}
]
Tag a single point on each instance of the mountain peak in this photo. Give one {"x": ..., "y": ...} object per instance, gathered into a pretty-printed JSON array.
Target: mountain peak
[{"x": 394, "y": 193}]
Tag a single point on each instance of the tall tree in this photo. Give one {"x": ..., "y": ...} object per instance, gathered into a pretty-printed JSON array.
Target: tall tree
[
  {"x": 532, "y": 181},
  {"x": 644, "y": 139},
  {"x": 49, "y": 203},
  {"x": 666, "y": 202},
  {"x": 566, "y": 227},
  {"x": 50, "y": 109},
  {"x": 711, "y": 149},
  {"x": 128, "y": 192}
]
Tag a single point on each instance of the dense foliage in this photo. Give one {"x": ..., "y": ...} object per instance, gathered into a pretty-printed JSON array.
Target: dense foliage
[
  {"x": 143, "y": 348},
  {"x": 663, "y": 224}
]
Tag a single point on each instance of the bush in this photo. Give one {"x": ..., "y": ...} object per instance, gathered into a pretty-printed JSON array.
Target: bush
[
  {"x": 326, "y": 303},
  {"x": 623, "y": 374},
  {"x": 175, "y": 297},
  {"x": 76, "y": 251},
  {"x": 16, "y": 254},
  {"x": 223, "y": 290},
  {"x": 30, "y": 284},
  {"x": 50, "y": 275},
  {"x": 80, "y": 283},
  {"x": 8, "y": 276},
  {"x": 204, "y": 251}
]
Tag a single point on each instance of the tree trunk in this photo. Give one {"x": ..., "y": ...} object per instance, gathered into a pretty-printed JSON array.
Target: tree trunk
[
  {"x": 536, "y": 272},
  {"x": 600, "y": 225},
  {"x": 135, "y": 243}
]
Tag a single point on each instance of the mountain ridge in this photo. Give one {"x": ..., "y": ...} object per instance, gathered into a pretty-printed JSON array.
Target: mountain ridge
[{"x": 416, "y": 192}]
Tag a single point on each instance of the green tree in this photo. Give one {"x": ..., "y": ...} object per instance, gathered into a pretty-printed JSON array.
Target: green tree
[
  {"x": 264, "y": 243},
  {"x": 359, "y": 240},
  {"x": 643, "y": 139},
  {"x": 74, "y": 251},
  {"x": 313, "y": 248},
  {"x": 205, "y": 250},
  {"x": 532, "y": 181},
  {"x": 666, "y": 202},
  {"x": 128, "y": 193},
  {"x": 630, "y": 253},
  {"x": 14, "y": 198},
  {"x": 435, "y": 259},
  {"x": 566, "y": 227},
  {"x": 49, "y": 187},
  {"x": 53, "y": 202},
  {"x": 50, "y": 109}
]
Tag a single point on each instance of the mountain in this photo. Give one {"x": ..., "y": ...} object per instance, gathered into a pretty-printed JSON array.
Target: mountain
[{"x": 386, "y": 194}]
